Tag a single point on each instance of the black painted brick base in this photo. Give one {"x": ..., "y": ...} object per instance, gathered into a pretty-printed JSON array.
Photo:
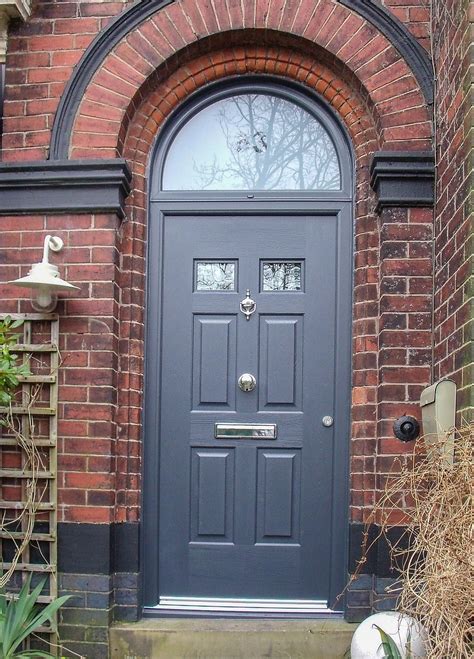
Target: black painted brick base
[
  {"x": 98, "y": 567},
  {"x": 125, "y": 597},
  {"x": 366, "y": 595},
  {"x": 103, "y": 584},
  {"x": 385, "y": 595},
  {"x": 84, "y": 620}
]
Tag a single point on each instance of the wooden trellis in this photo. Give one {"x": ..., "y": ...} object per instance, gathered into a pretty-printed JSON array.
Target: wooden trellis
[{"x": 28, "y": 465}]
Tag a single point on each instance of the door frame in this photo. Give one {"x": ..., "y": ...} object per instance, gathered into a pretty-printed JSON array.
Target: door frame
[{"x": 161, "y": 204}]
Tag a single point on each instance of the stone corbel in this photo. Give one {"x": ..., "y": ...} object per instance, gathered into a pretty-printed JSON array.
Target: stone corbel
[{"x": 10, "y": 9}]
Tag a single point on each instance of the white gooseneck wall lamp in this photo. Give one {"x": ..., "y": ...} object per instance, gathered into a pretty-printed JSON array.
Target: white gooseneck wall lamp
[{"x": 44, "y": 278}]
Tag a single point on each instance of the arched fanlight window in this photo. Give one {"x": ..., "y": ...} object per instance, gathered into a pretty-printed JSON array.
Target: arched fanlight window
[{"x": 252, "y": 141}]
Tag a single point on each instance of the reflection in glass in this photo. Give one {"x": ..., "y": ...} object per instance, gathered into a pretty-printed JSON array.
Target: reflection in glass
[
  {"x": 215, "y": 276},
  {"x": 282, "y": 276},
  {"x": 252, "y": 142}
]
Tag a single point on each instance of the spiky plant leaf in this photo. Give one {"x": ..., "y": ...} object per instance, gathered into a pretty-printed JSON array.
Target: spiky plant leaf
[
  {"x": 40, "y": 617},
  {"x": 21, "y": 616},
  {"x": 388, "y": 645}
]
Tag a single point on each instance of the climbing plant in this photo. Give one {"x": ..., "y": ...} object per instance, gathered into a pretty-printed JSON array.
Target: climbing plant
[{"x": 10, "y": 367}]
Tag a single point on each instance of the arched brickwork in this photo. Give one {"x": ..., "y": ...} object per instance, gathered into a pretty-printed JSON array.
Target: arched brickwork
[
  {"x": 243, "y": 53},
  {"x": 375, "y": 96},
  {"x": 155, "y": 101},
  {"x": 345, "y": 38}
]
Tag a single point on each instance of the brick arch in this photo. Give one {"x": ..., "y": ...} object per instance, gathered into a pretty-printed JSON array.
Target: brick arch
[
  {"x": 164, "y": 92},
  {"x": 156, "y": 66},
  {"x": 343, "y": 39}
]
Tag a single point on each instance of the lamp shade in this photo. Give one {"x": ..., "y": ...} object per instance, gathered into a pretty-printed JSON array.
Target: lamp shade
[{"x": 44, "y": 276}]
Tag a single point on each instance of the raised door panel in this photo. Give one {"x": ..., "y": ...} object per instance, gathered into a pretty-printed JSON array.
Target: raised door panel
[
  {"x": 278, "y": 496},
  {"x": 280, "y": 354},
  {"x": 214, "y": 356},
  {"x": 212, "y": 495}
]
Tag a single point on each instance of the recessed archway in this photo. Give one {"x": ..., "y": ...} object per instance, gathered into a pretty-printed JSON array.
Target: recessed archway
[{"x": 249, "y": 272}]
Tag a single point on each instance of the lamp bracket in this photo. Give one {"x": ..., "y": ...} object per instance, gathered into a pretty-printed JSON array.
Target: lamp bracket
[
  {"x": 55, "y": 243},
  {"x": 51, "y": 242}
]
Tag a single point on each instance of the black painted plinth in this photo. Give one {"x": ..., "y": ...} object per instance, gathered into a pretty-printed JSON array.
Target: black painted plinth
[
  {"x": 375, "y": 586},
  {"x": 98, "y": 567}
]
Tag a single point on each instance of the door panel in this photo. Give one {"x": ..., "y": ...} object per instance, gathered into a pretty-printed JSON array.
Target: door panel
[
  {"x": 278, "y": 496},
  {"x": 247, "y": 518},
  {"x": 212, "y": 495},
  {"x": 281, "y": 362},
  {"x": 214, "y": 355}
]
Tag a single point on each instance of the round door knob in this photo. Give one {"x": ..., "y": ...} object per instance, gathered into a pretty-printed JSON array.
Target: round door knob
[
  {"x": 327, "y": 421},
  {"x": 247, "y": 382}
]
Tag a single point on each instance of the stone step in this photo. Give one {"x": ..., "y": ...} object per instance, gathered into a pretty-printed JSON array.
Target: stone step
[{"x": 185, "y": 638}]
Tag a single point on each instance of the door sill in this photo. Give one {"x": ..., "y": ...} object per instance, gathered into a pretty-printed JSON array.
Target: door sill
[{"x": 225, "y": 607}]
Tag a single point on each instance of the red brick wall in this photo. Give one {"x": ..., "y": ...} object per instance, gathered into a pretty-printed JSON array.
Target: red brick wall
[
  {"x": 89, "y": 345},
  {"x": 332, "y": 51},
  {"x": 453, "y": 27},
  {"x": 415, "y": 14},
  {"x": 40, "y": 59}
]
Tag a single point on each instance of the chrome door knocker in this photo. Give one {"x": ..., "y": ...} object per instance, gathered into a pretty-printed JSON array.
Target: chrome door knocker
[{"x": 248, "y": 306}]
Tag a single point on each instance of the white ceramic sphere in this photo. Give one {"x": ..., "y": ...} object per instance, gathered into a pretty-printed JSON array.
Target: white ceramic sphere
[{"x": 366, "y": 642}]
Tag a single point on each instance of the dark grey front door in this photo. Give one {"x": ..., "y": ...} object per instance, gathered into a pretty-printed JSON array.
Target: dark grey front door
[{"x": 252, "y": 519}]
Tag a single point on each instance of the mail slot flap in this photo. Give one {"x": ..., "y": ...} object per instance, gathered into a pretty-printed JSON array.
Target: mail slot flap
[{"x": 245, "y": 431}]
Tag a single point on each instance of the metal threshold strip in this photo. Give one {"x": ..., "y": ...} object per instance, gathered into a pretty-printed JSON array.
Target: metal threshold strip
[{"x": 202, "y": 604}]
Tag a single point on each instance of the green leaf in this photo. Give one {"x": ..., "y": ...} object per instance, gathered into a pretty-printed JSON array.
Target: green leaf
[
  {"x": 11, "y": 366},
  {"x": 46, "y": 614},
  {"x": 15, "y": 617},
  {"x": 27, "y": 600},
  {"x": 388, "y": 645},
  {"x": 3, "y": 604},
  {"x": 22, "y": 617}
]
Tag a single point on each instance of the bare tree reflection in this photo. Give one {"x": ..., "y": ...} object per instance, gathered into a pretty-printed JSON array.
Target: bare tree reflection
[
  {"x": 282, "y": 276},
  {"x": 215, "y": 276},
  {"x": 271, "y": 144}
]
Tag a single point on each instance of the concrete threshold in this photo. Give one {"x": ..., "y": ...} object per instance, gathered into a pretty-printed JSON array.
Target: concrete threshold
[{"x": 204, "y": 638}]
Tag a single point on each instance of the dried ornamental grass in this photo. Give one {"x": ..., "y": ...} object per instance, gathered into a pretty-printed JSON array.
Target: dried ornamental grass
[{"x": 436, "y": 584}]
